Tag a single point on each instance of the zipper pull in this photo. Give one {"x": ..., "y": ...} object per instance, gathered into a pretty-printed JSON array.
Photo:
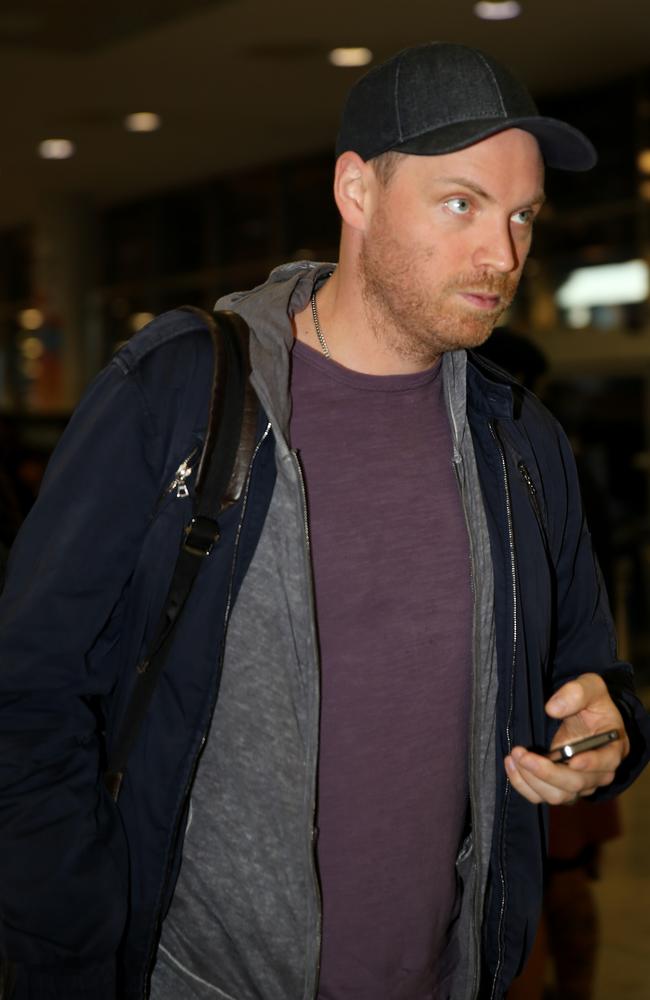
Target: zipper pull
[{"x": 183, "y": 472}]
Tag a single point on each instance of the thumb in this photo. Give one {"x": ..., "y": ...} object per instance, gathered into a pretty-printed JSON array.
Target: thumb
[{"x": 576, "y": 695}]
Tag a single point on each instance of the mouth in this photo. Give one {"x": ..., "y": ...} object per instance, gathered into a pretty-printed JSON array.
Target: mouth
[{"x": 481, "y": 300}]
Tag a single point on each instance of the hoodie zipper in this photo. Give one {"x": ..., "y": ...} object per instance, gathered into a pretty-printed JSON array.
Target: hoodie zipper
[
  {"x": 515, "y": 612},
  {"x": 474, "y": 796},
  {"x": 310, "y": 990},
  {"x": 199, "y": 751}
]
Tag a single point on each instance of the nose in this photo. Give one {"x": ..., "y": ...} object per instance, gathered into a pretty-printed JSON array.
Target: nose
[{"x": 496, "y": 250}]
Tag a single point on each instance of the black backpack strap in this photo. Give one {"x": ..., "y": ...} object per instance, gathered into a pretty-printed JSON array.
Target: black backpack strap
[{"x": 222, "y": 472}]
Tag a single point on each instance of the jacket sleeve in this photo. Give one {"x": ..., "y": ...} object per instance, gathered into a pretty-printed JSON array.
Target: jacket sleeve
[
  {"x": 63, "y": 858},
  {"x": 586, "y": 640}
]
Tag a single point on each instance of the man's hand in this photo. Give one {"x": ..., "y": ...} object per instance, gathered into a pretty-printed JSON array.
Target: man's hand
[{"x": 586, "y": 708}]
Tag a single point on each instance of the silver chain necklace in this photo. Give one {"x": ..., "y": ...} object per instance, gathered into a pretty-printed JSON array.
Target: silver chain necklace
[{"x": 319, "y": 332}]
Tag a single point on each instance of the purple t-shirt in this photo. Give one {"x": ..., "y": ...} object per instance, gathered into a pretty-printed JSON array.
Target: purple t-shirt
[{"x": 394, "y": 608}]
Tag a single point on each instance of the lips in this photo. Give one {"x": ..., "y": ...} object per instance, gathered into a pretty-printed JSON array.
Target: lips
[{"x": 482, "y": 300}]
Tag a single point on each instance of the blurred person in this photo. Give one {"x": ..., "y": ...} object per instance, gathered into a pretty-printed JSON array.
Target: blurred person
[{"x": 404, "y": 603}]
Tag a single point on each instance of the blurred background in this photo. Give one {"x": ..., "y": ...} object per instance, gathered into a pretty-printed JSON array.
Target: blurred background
[{"x": 164, "y": 152}]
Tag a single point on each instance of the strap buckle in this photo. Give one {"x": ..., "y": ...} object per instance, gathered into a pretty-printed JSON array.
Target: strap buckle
[{"x": 201, "y": 535}]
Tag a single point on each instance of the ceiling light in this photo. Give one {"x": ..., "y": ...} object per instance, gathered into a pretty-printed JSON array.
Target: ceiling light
[
  {"x": 56, "y": 149},
  {"x": 31, "y": 319},
  {"x": 140, "y": 319},
  {"x": 32, "y": 348},
  {"x": 142, "y": 121},
  {"x": 497, "y": 10},
  {"x": 643, "y": 161},
  {"x": 350, "y": 57},
  {"x": 605, "y": 285}
]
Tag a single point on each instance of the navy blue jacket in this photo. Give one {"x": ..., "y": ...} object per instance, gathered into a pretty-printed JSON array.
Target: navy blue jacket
[{"x": 84, "y": 884}]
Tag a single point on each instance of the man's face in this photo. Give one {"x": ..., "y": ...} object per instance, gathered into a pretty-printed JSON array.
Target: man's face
[{"x": 446, "y": 242}]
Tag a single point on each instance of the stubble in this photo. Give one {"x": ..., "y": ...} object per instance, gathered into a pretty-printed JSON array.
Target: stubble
[{"x": 413, "y": 317}]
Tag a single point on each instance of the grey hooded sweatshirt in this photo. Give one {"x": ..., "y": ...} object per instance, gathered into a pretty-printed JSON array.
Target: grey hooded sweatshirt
[{"x": 244, "y": 923}]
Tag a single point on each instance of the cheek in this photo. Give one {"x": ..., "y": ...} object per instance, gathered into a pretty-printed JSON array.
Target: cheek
[{"x": 523, "y": 240}]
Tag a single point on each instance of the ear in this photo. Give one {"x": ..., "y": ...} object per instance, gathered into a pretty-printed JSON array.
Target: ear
[{"x": 353, "y": 181}]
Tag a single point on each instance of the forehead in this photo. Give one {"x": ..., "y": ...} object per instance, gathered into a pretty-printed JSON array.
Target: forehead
[{"x": 508, "y": 161}]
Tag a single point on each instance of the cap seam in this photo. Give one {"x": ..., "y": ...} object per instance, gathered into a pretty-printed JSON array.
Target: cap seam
[
  {"x": 456, "y": 121},
  {"x": 494, "y": 80}
]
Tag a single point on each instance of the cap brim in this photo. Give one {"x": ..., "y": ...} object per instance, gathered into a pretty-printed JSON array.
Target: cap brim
[{"x": 563, "y": 146}]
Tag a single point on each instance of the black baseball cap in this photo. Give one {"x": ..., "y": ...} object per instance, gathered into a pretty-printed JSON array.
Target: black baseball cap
[{"x": 441, "y": 97}]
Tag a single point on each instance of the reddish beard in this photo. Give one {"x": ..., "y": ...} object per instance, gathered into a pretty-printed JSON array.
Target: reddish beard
[{"x": 418, "y": 321}]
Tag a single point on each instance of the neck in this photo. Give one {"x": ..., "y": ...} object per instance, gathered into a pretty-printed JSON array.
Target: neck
[{"x": 352, "y": 331}]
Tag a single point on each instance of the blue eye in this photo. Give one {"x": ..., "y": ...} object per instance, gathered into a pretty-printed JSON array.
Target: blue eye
[
  {"x": 523, "y": 218},
  {"x": 460, "y": 206}
]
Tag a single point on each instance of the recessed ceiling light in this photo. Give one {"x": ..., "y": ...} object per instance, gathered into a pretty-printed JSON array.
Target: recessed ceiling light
[
  {"x": 497, "y": 10},
  {"x": 643, "y": 161},
  {"x": 56, "y": 149},
  {"x": 350, "y": 56},
  {"x": 31, "y": 319},
  {"x": 142, "y": 121},
  {"x": 32, "y": 348},
  {"x": 139, "y": 319}
]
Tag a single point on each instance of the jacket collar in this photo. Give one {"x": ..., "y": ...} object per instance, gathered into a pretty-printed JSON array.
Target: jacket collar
[{"x": 490, "y": 388}]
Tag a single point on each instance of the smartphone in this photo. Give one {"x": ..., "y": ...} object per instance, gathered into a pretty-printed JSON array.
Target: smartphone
[{"x": 566, "y": 751}]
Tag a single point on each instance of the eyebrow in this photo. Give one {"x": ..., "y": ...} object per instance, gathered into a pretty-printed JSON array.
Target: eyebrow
[{"x": 538, "y": 199}]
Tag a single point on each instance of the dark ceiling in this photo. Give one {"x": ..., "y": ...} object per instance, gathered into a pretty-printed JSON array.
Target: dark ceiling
[{"x": 243, "y": 81}]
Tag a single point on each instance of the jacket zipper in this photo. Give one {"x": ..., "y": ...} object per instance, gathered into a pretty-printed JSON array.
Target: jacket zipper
[
  {"x": 534, "y": 503},
  {"x": 179, "y": 482},
  {"x": 199, "y": 751},
  {"x": 312, "y": 833},
  {"x": 506, "y": 798},
  {"x": 532, "y": 489}
]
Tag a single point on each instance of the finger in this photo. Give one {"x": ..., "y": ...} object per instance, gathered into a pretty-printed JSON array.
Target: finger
[
  {"x": 605, "y": 759},
  {"x": 519, "y": 783},
  {"x": 540, "y": 777},
  {"x": 576, "y": 695},
  {"x": 535, "y": 790},
  {"x": 569, "y": 776},
  {"x": 555, "y": 783}
]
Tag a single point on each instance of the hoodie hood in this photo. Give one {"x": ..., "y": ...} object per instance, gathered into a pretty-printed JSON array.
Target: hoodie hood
[{"x": 268, "y": 310}]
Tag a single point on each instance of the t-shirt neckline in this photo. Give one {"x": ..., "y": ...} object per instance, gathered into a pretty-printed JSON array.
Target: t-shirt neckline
[{"x": 361, "y": 380}]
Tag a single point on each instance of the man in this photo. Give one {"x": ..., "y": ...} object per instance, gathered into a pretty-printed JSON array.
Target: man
[{"x": 409, "y": 603}]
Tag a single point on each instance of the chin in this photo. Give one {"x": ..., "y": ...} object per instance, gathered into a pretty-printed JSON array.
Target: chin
[
  {"x": 464, "y": 338},
  {"x": 479, "y": 337}
]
